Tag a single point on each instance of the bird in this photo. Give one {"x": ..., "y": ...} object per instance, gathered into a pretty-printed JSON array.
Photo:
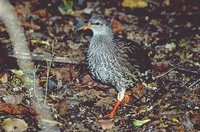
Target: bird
[{"x": 115, "y": 61}]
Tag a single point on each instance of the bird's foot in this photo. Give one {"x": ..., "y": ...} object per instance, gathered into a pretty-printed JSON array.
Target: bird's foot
[
  {"x": 112, "y": 114},
  {"x": 109, "y": 116}
]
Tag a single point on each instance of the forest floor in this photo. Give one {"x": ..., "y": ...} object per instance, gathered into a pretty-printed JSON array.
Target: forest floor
[{"x": 170, "y": 31}]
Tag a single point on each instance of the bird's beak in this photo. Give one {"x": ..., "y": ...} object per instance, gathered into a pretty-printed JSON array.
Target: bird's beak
[{"x": 87, "y": 27}]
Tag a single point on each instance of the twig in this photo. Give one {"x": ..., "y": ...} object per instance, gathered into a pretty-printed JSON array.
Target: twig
[
  {"x": 153, "y": 2},
  {"x": 194, "y": 83},
  {"x": 184, "y": 68},
  {"x": 161, "y": 75},
  {"x": 39, "y": 57}
]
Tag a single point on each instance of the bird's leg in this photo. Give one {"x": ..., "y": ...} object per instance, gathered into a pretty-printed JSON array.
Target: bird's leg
[
  {"x": 120, "y": 97},
  {"x": 127, "y": 98}
]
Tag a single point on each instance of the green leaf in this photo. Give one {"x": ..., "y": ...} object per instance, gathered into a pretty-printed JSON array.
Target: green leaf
[
  {"x": 66, "y": 7},
  {"x": 138, "y": 123}
]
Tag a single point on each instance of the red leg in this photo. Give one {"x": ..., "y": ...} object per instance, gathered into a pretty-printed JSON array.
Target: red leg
[
  {"x": 112, "y": 114},
  {"x": 124, "y": 96}
]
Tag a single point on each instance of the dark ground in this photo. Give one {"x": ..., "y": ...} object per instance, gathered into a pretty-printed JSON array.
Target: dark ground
[{"x": 169, "y": 29}]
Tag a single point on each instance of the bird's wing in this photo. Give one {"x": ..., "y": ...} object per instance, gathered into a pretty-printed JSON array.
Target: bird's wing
[{"x": 132, "y": 56}]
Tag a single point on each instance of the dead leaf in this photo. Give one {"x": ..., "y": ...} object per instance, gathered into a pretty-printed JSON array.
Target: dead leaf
[
  {"x": 86, "y": 79},
  {"x": 141, "y": 109},
  {"x": 41, "y": 13},
  {"x": 135, "y": 3},
  {"x": 138, "y": 91},
  {"x": 30, "y": 25},
  {"x": 63, "y": 109},
  {"x": 17, "y": 72},
  {"x": 13, "y": 99},
  {"x": 106, "y": 124},
  {"x": 4, "y": 78},
  {"x": 62, "y": 74},
  {"x": 170, "y": 46},
  {"x": 14, "y": 125},
  {"x": 73, "y": 72},
  {"x": 179, "y": 128},
  {"x": 91, "y": 93},
  {"x": 166, "y": 3},
  {"x": 105, "y": 102},
  {"x": 117, "y": 26},
  {"x": 16, "y": 110},
  {"x": 40, "y": 42},
  {"x": 3, "y": 92},
  {"x": 23, "y": 11},
  {"x": 196, "y": 118}
]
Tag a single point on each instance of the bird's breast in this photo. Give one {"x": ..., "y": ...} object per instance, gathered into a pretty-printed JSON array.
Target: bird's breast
[{"x": 98, "y": 65}]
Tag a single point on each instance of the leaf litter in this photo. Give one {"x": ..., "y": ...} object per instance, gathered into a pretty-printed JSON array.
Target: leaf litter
[{"x": 171, "y": 37}]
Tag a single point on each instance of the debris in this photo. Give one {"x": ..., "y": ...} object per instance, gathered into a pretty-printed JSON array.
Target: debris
[
  {"x": 106, "y": 124},
  {"x": 135, "y": 3},
  {"x": 13, "y": 99},
  {"x": 14, "y": 125},
  {"x": 16, "y": 110}
]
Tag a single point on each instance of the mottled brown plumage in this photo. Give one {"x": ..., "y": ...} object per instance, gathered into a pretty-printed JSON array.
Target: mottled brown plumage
[{"x": 115, "y": 61}]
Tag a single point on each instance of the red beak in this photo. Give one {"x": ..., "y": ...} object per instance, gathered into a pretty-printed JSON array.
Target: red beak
[{"x": 87, "y": 27}]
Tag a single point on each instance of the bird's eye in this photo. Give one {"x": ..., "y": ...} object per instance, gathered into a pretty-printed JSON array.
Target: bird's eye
[{"x": 97, "y": 23}]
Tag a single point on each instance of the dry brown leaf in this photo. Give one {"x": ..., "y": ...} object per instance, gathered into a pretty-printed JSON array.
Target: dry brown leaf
[
  {"x": 73, "y": 72},
  {"x": 86, "y": 79},
  {"x": 138, "y": 91},
  {"x": 179, "y": 128},
  {"x": 105, "y": 102},
  {"x": 30, "y": 25},
  {"x": 23, "y": 11},
  {"x": 41, "y": 13},
  {"x": 16, "y": 110},
  {"x": 196, "y": 118},
  {"x": 62, "y": 74},
  {"x": 3, "y": 92},
  {"x": 117, "y": 26},
  {"x": 63, "y": 109},
  {"x": 106, "y": 124},
  {"x": 91, "y": 93},
  {"x": 14, "y": 125}
]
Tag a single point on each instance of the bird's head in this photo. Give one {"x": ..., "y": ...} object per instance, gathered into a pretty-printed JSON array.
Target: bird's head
[{"x": 99, "y": 25}]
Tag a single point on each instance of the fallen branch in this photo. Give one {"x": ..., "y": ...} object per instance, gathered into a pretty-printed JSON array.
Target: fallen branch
[
  {"x": 184, "y": 68},
  {"x": 194, "y": 83},
  {"x": 39, "y": 57},
  {"x": 20, "y": 47}
]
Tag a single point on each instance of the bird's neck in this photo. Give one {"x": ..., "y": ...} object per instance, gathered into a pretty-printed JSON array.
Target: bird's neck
[
  {"x": 101, "y": 43},
  {"x": 102, "y": 40}
]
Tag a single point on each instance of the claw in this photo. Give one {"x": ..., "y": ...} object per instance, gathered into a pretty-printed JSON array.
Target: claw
[{"x": 112, "y": 114}]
